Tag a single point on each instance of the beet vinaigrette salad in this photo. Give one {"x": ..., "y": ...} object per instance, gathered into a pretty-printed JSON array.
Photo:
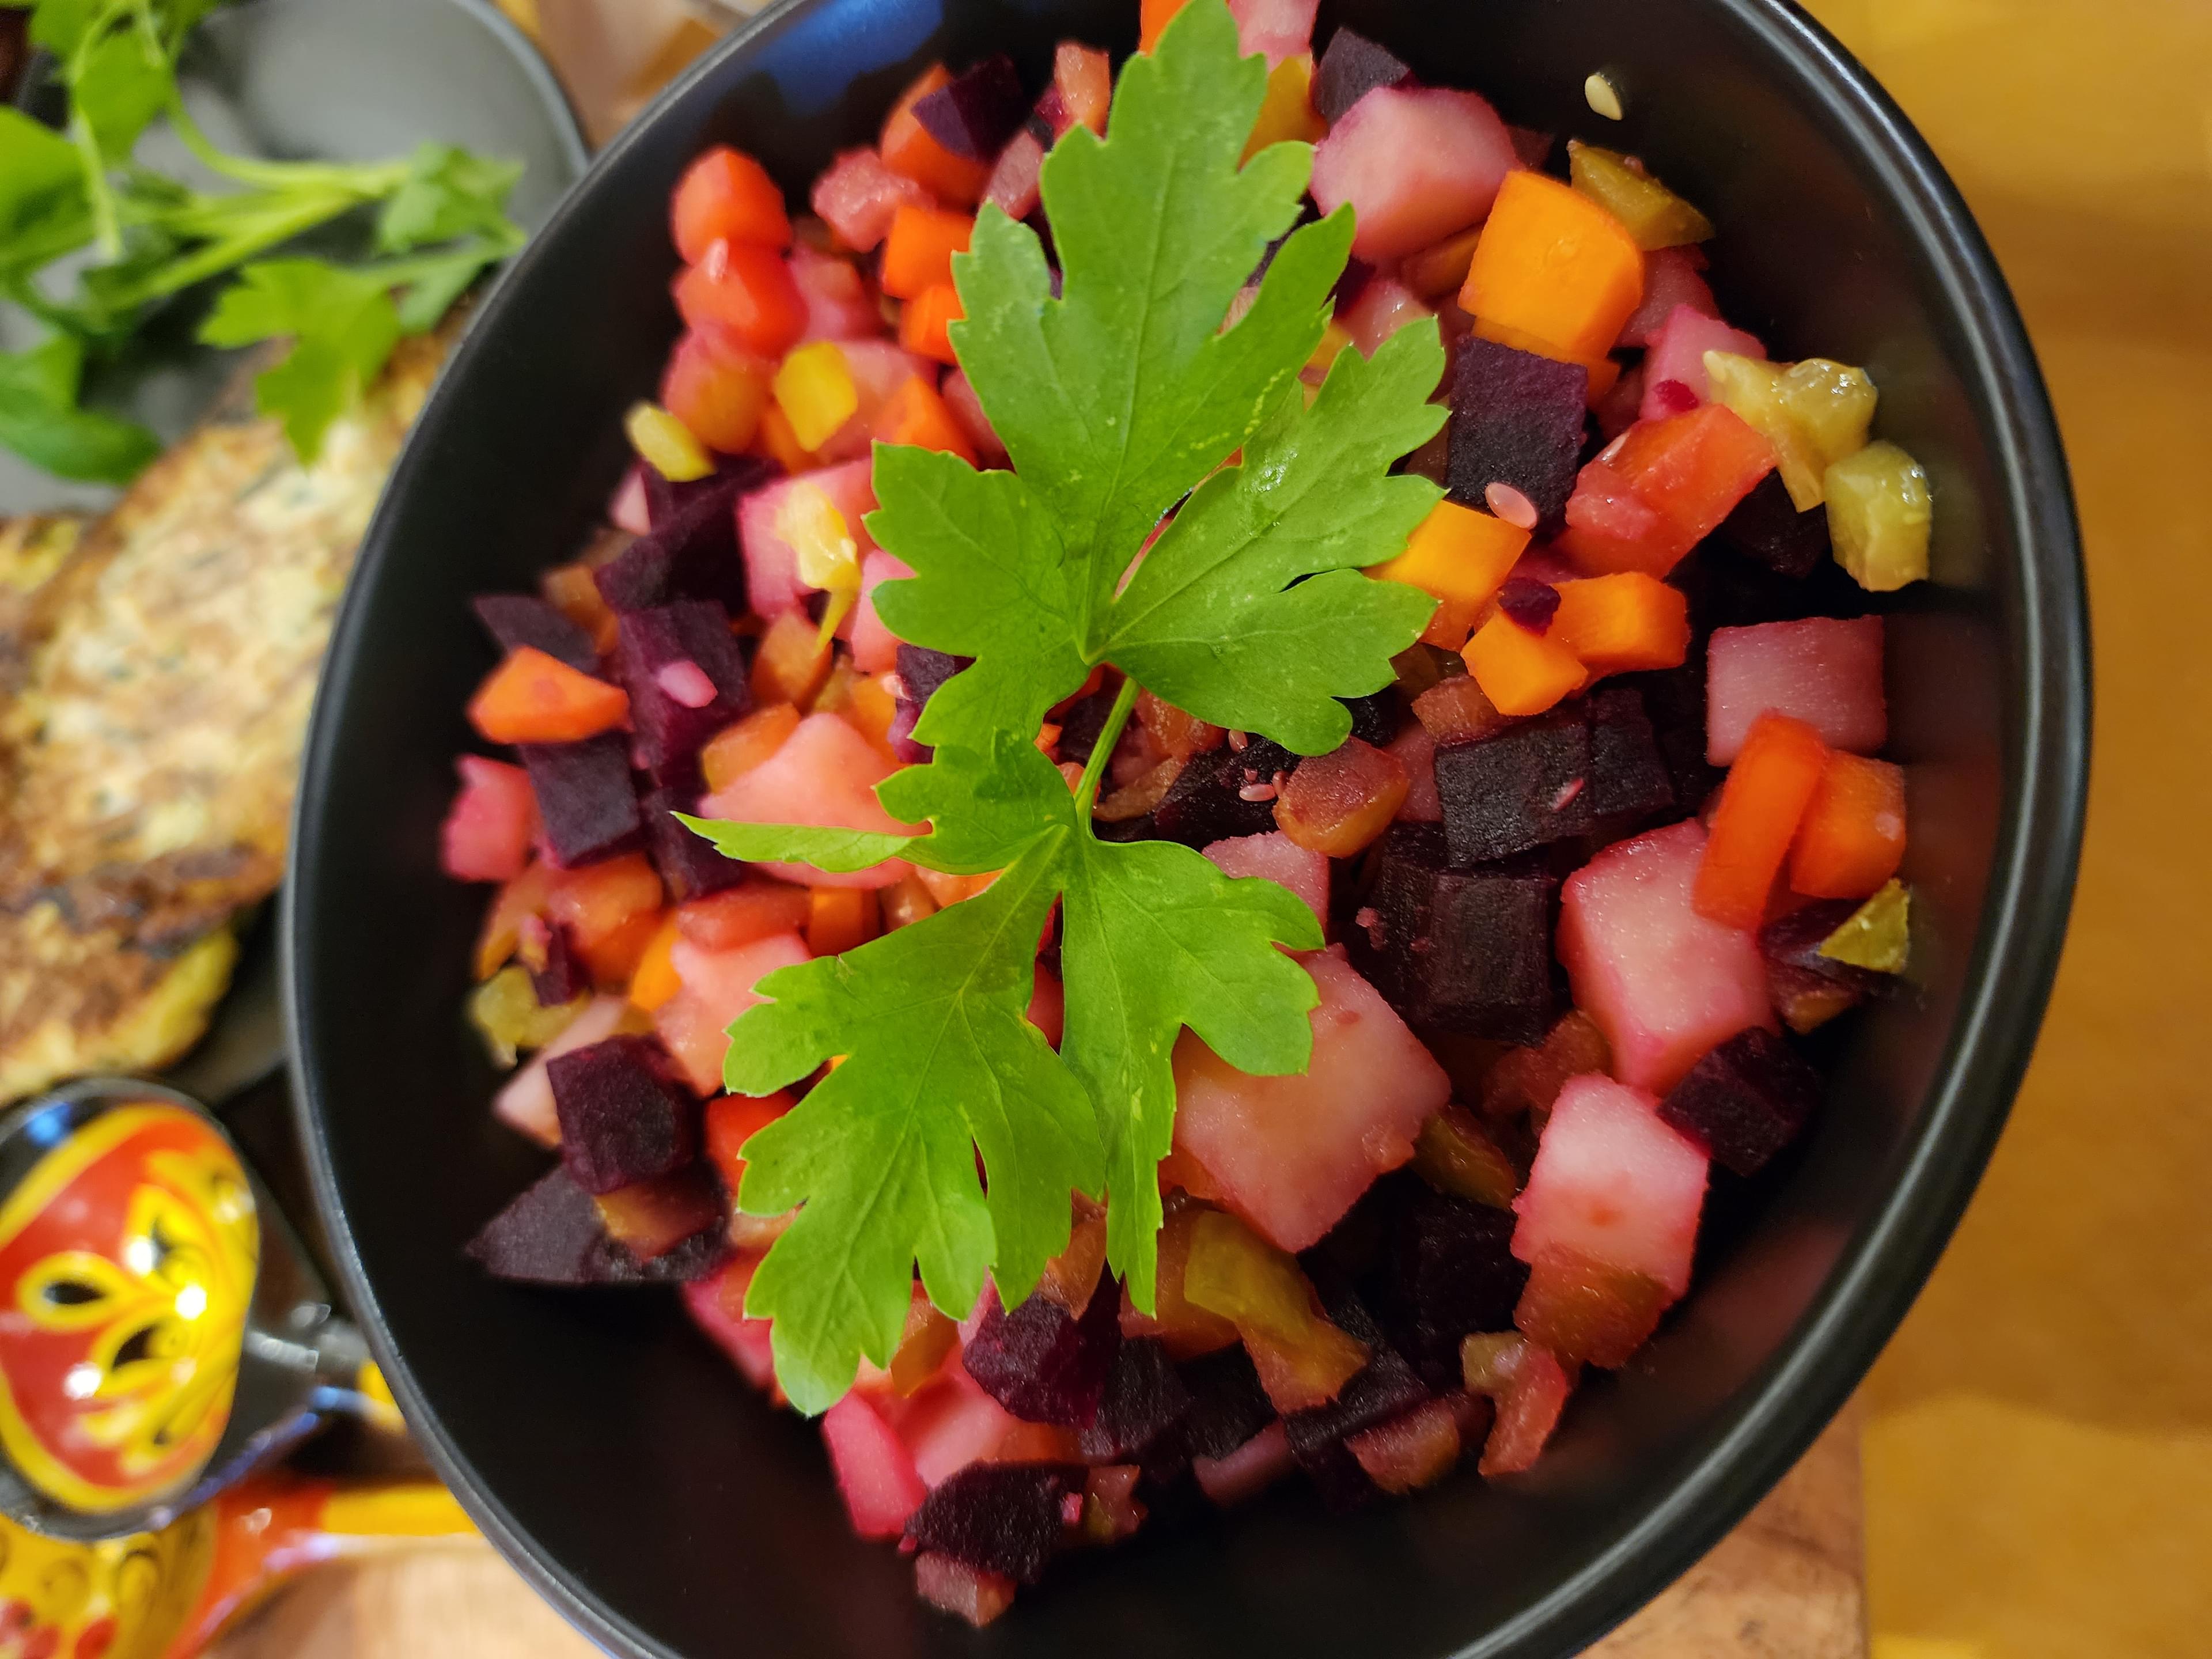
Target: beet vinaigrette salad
[{"x": 1192, "y": 808}]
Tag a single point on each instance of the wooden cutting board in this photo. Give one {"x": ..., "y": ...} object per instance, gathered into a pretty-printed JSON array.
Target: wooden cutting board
[{"x": 1786, "y": 1584}]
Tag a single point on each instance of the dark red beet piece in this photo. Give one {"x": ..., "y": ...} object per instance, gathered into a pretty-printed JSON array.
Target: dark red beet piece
[
  {"x": 1080, "y": 724},
  {"x": 1141, "y": 1412},
  {"x": 553, "y": 1235},
  {"x": 1674, "y": 701},
  {"x": 1457, "y": 949},
  {"x": 623, "y": 1119},
  {"x": 1206, "y": 801},
  {"x": 1523, "y": 788},
  {"x": 904, "y": 714},
  {"x": 519, "y": 619},
  {"x": 691, "y": 552},
  {"x": 689, "y": 863},
  {"x": 1375, "y": 717},
  {"x": 974, "y": 114},
  {"x": 1451, "y": 1274},
  {"x": 1767, "y": 527},
  {"x": 1386, "y": 1387},
  {"x": 922, "y": 670},
  {"x": 563, "y": 977},
  {"x": 1002, "y": 1517},
  {"x": 1534, "y": 147},
  {"x": 1745, "y": 1101},
  {"x": 1228, "y": 1405},
  {"x": 1043, "y": 1365},
  {"x": 585, "y": 797},
  {"x": 1352, "y": 67},
  {"x": 670, "y": 730},
  {"x": 1530, "y": 603},
  {"x": 1517, "y": 419},
  {"x": 1629, "y": 779}
]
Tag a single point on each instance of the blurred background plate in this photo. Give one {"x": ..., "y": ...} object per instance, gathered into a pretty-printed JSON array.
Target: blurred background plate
[{"x": 339, "y": 80}]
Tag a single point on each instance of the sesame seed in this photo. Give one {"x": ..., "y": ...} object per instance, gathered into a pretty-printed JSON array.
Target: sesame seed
[{"x": 1603, "y": 97}]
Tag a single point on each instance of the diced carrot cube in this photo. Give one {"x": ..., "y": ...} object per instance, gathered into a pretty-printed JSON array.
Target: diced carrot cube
[
  {"x": 534, "y": 698},
  {"x": 917, "y": 253},
  {"x": 1440, "y": 269},
  {"x": 741, "y": 747},
  {"x": 841, "y": 919},
  {"x": 916, "y": 414},
  {"x": 792, "y": 661},
  {"x": 1762, "y": 803},
  {"x": 1459, "y": 556},
  {"x": 1554, "y": 272},
  {"x": 655, "y": 980},
  {"x": 726, "y": 194},
  {"x": 872, "y": 709},
  {"x": 1664, "y": 488},
  {"x": 1852, "y": 839},
  {"x": 776, "y": 440},
  {"x": 732, "y": 1120},
  {"x": 926, "y": 322},
  {"x": 1521, "y": 672},
  {"x": 747, "y": 289},
  {"x": 1619, "y": 623},
  {"x": 909, "y": 148}
]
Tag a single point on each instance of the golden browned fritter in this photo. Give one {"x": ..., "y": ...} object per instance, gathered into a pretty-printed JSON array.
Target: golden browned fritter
[{"x": 156, "y": 672}]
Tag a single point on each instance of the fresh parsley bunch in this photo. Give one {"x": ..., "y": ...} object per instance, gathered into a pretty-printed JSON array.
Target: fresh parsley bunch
[
  {"x": 1117, "y": 401},
  {"x": 441, "y": 220}
]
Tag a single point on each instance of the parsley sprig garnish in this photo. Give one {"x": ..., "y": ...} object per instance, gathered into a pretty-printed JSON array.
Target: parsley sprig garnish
[
  {"x": 441, "y": 220},
  {"x": 1117, "y": 401}
]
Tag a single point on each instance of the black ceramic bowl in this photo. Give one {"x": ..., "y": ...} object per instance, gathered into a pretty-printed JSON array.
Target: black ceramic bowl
[{"x": 614, "y": 1456}]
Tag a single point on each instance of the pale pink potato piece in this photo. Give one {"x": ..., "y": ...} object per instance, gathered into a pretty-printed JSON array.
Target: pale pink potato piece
[
  {"x": 1383, "y": 307},
  {"x": 1613, "y": 1185},
  {"x": 875, "y": 1472},
  {"x": 859, "y": 196},
  {"x": 524, "y": 1102},
  {"x": 1275, "y": 28},
  {"x": 1662, "y": 982},
  {"x": 1418, "y": 164},
  {"x": 1678, "y": 354},
  {"x": 949, "y": 1423},
  {"x": 1291, "y": 1154},
  {"x": 1825, "y": 671},
  {"x": 717, "y": 987},
  {"x": 838, "y": 304},
  {"x": 1671, "y": 278},
  {"x": 875, "y": 647},
  {"x": 1278, "y": 859},
  {"x": 825, "y": 775},
  {"x": 771, "y": 562}
]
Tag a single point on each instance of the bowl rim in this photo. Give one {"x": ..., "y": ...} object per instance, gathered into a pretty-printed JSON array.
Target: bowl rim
[{"x": 1883, "y": 1265}]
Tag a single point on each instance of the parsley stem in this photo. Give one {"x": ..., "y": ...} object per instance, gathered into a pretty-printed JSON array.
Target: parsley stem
[{"x": 1086, "y": 792}]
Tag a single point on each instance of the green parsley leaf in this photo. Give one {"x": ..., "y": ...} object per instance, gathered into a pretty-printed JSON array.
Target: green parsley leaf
[
  {"x": 939, "y": 1062},
  {"x": 449, "y": 193},
  {"x": 121, "y": 84},
  {"x": 342, "y": 327},
  {"x": 41, "y": 179},
  {"x": 838, "y": 851},
  {"x": 40, "y": 420},
  {"x": 59, "y": 25}
]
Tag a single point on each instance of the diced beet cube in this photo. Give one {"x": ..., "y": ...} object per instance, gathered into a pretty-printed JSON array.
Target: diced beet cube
[
  {"x": 1374, "y": 718},
  {"x": 1141, "y": 1412},
  {"x": 1002, "y": 1517},
  {"x": 974, "y": 114},
  {"x": 1664, "y": 983},
  {"x": 1207, "y": 800},
  {"x": 1386, "y": 1387},
  {"x": 1808, "y": 989},
  {"x": 1228, "y": 1405},
  {"x": 922, "y": 670},
  {"x": 1291, "y": 1154},
  {"x": 1417, "y": 164},
  {"x": 1521, "y": 789},
  {"x": 1614, "y": 1184},
  {"x": 1278, "y": 859},
  {"x": 519, "y": 619},
  {"x": 691, "y": 551},
  {"x": 1674, "y": 698},
  {"x": 1081, "y": 723},
  {"x": 1452, "y": 1272},
  {"x": 564, "y": 977},
  {"x": 688, "y": 863},
  {"x": 1457, "y": 949},
  {"x": 900, "y": 734},
  {"x": 553, "y": 1235},
  {"x": 875, "y": 1470},
  {"x": 1043, "y": 1364},
  {"x": 585, "y": 797},
  {"x": 669, "y": 658},
  {"x": 1824, "y": 670},
  {"x": 623, "y": 1118},
  {"x": 1745, "y": 1101},
  {"x": 1767, "y": 528},
  {"x": 1628, "y": 774},
  {"x": 1352, "y": 67},
  {"x": 1244, "y": 1470},
  {"x": 1517, "y": 419}
]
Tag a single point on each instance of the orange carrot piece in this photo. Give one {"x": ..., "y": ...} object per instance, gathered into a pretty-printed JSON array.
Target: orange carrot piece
[
  {"x": 534, "y": 698},
  {"x": 732, "y": 1120},
  {"x": 916, "y": 414},
  {"x": 1460, "y": 557},
  {"x": 776, "y": 441},
  {"x": 1762, "y": 803},
  {"x": 908, "y": 148},
  {"x": 1154, "y": 16},
  {"x": 614, "y": 959},
  {"x": 1617, "y": 624},
  {"x": 739, "y": 915},
  {"x": 873, "y": 707},
  {"x": 1521, "y": 672},
  {"x": 736, "y": 749},
  {"x": 1852, "y": 839},
  {"x": 791, "y": 662},
  {"x": 925, "y": 324},
  {"x": 655, "y": 982},
  {"x": 1441, "y": 269},
  {"x": 520, "y": 900},
  {"x": 841, "y": 919},
  {"x": 918, "y": 253},
  {"x": 1554, "y": 272}
]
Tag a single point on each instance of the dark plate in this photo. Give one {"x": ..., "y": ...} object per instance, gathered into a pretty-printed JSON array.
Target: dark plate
[{"x": 608, "y": 1450}]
